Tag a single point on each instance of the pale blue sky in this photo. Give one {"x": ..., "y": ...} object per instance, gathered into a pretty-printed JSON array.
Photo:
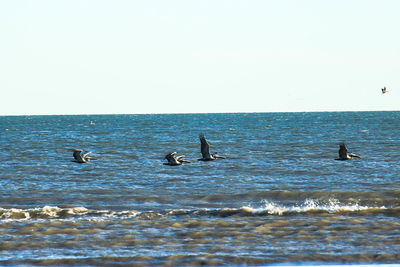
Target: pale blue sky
[{"x": 91, "y": 56}]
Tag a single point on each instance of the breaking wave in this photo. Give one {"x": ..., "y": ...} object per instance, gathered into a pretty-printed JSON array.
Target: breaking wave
[
  {"x": 51, "y": 212},
  {"x": 309, "y": 207}
]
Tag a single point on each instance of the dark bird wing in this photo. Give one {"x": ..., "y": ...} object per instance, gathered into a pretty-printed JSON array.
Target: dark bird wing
[
  {"x": 77, "y": 153},
  {"x": 205, "y": 147},
  {"x": 171, "y": 159},
  {"x": 342, "y": 151}
]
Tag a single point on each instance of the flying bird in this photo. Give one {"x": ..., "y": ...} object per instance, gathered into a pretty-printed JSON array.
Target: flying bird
[
  {"x": 175, "y": 161},
  {"x": 205, "y": 150},
  {"x": 384, "y": 90},
  {"x": 343, "y": 155},
  {"x": 79, "y": 156}
]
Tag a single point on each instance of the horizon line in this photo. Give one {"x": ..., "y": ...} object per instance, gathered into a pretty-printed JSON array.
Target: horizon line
[{"x": 188, "y": 113}]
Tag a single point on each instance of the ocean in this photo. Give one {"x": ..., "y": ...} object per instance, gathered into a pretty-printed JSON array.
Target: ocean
[{"x": 279, "y": 197}]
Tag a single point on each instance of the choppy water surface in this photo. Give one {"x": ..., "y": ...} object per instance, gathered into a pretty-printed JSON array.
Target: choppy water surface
[{"x": 279, "y": 197}]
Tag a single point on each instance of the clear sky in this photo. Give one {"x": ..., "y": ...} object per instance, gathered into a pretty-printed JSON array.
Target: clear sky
[{"x": 158, "y": 56}]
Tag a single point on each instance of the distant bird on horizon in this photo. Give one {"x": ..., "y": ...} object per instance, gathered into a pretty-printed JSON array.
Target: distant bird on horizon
[
  {"x": 343, "y": 155},
  {"x": 79, "y": 156},
  {"x": 175, "y": 161},
  {"x": 384, "y": 90},
  {"x": 205, "y": 150}
]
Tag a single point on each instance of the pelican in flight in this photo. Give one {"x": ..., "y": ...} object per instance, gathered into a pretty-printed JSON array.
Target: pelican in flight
[
  {"x": 384, "y": 90},
  {"x": 175, "y": 161},
  {"x": 205, "y": 150},
  {"x": 343, "y": 155},
  {"x": 79, "y": 156}
]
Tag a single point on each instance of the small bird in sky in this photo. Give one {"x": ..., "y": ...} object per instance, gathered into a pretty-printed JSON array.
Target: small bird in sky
[{"x": 384, "y": 90}]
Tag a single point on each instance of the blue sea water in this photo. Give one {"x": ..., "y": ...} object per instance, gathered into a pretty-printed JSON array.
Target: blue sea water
[{"x": 278, "y": 197}]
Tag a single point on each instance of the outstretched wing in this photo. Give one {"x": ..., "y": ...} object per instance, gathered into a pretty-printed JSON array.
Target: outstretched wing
[
  {"x": 205, "y": 147},
  {"x": 342, "y": 151},
  {"x": 171, "y": 159},
  {"x": 77, "y": 153},
  {"x": 170, "y": 156}
]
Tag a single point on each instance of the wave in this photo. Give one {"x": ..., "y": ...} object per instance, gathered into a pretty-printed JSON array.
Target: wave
[
  {"x": 50, "y": 212},
  {"x": 309, "y": 207}
]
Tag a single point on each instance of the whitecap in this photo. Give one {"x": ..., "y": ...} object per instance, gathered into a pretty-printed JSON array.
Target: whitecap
[
  {"x": 51, "y": 211},
  {"x": 309, "y": 205},
  {"x": 77, "y": 210},
  {"x": 128, "y": 213},
  {"x": 14, "y": 213},
  {"x": 269, "y": 208}
]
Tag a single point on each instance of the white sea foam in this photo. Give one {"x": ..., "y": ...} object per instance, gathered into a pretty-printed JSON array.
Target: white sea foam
[
  {"x": 309, "y": 205},
  {"x": 45, "y": 212},
  {"x": 128, "y": 213},
  {"x": 50, "y": 211},
  {"x": 14, "y": 213},
  {"x": 267, "y": 208}
]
